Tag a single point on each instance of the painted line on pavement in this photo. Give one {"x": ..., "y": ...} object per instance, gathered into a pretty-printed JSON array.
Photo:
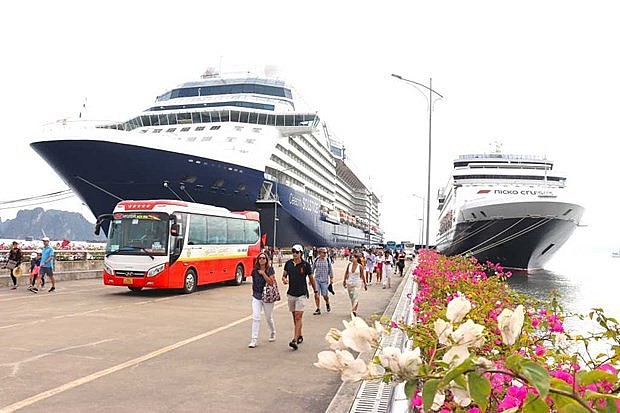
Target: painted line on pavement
[{"x": 102, "y": 373}]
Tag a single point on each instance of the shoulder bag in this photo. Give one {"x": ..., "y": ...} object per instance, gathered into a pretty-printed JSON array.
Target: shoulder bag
[{"x": 271, "y": 294}]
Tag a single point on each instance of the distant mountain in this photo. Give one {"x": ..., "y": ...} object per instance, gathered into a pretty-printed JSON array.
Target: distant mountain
[{"x": 53, "y": 223}]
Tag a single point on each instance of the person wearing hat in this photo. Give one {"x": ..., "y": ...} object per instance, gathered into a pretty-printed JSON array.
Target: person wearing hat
[
  {"x": 14, "y": 259},
  {"x": 294, "y": 274},
  {"x": 47, "y": 263},
  {"x": 324, "y": 276}
]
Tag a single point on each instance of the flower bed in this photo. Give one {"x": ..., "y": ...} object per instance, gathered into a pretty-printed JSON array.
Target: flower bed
[{"x": 478, "y": 346}]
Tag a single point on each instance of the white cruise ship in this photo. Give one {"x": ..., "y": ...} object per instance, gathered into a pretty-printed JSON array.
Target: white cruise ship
[
  {"x": 231, "y": 141},
  {"x": 507, "y": 209}
]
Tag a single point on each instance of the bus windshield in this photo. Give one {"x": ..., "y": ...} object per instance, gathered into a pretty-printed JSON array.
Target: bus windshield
[{"x": 138, "y": 233}]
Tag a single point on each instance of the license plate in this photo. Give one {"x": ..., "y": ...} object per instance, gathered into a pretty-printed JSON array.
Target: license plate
[{"x": 127, "y": 281}]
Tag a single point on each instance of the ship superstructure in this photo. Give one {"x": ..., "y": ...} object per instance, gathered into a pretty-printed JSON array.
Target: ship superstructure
[
  {"x": 235, "y": 141},
  {"x": 507, "y": 209}
]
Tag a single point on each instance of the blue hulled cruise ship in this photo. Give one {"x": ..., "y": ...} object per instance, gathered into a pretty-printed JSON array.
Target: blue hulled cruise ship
[{"x": 232, "y": 141}]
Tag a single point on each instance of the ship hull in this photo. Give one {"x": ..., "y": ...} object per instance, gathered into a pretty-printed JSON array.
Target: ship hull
[
  {"x": 525, "y": 243},
  {"x": 101, "y": 173}
]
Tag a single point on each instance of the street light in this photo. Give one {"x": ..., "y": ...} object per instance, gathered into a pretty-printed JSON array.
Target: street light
[
  {"x": 430, "y": 122},
  {"x": 275, "y": 206},
  {"x": 422, "y": 226}
]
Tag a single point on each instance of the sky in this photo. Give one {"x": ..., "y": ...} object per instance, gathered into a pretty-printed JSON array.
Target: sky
[{"x": 542, "y": 78}]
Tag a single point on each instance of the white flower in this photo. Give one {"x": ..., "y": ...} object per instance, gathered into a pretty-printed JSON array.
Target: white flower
[
  {"x": 440, "y": 397},
  {"x": 403, "y": 366},
  {"x": 334, "y": 338},
  {"x": 469, "y": 334},
  {"x": 461, "y": 395},
  {"x": 510, "y": 324},
  {"x": 358, "y": 336},
  {"x": 443, "y": 329},
  {"x": 456, "y": 355},
  {"x": 458, "y": 308},
  {"x": 484, "y": 363},
  {"x": 350, "y": 368}
]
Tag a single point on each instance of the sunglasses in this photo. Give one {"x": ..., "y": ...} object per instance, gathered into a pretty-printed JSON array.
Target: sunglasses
[
  {"x": 262, "y": 258},
  {"x": 296, "y": 252}
]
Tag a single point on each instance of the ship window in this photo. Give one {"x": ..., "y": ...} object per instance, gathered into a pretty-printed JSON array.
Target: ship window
[
  {"x": 225, "y": 115},
  {"x": 154, "y": 120},
  {"x": 195, "y": 117},
  {"x": 184, "y": 129},
  {"x": 157, "y": 130},
  {"x": 146, "y": 120},
  {"x": 271, "y": 120},
  {"x": 253, "y": 118},
  {"x": 163, "y": 120},
  {"x": 171, "y": 129},
  {"x": 184, "y": 118},
  {"x": 205, "y": 117},
  {"x": 234, "y": 116},
  {"x": 199, "y": 128},
  {"x": 262, "y": 118},
  {"x": 144, "y": 131},
  {"x": 483, "y": 214},
  {"x": 215, "y": 116},
  {"x": 207, "y": 138},
  {"x": 244, "y": 117},
  {"x": 218, "y": 183},
  {"x": 215, "y": 127},
  {"x": 473, "y": 215},
  {"x": 172, "y": 119},
  {"x": 567, "y": 212}
]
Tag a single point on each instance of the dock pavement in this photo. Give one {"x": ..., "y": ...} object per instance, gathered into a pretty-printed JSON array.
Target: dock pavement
[{"x": 90, "y": 347}]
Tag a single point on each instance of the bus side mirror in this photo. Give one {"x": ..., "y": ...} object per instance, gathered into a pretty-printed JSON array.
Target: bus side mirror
[
  {"x": 174, "y": 230},
  {"x": 97, "y": 228},
  {"x": 100, "y": 220}
]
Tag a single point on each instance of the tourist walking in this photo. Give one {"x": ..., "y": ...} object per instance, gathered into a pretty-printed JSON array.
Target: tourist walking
[
  {"x": 294, "y": 274},
  {"x": 401, "y": 262},
  {"x": 262, "y": 274},
  {"x": 324, "y": 277},
  {"x": 47, "y": 263},
  {"x": 35, "y": 263},
  {"x": 387, "y": 269},
  {"x": 14, "y": 259},
  {"x": 353, "y": 281}
]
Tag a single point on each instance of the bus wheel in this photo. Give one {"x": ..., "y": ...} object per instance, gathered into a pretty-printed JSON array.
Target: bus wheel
[
  {"x": 239, "y": 275},
  {"x": 189, "y": 285},
  {"x": 135, "y": 289}
]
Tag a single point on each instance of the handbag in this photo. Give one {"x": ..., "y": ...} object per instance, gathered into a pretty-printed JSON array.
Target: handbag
[
  {"x": 11, "y": 264},
  {"x": 271, "y": 294}
]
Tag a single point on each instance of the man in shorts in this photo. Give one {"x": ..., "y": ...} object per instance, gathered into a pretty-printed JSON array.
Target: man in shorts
[
  {"x": 295, "y": 272},
  {"x": 324, "y": 277},
  {"x": 47, "y": 264}
]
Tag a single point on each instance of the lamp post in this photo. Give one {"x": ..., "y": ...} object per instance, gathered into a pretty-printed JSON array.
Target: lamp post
[
  {"x": 423, "y": 220},
  {"x": 430, "y": 122},
  {"x": 275, "y": 207}
]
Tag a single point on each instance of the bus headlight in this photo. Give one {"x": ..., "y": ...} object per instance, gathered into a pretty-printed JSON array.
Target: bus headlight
[
  {"x": 108, "y": 269},
  {"x": 156, "y": 270}
]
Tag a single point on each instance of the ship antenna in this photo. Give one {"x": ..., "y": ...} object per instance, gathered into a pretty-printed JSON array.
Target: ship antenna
[{"x": 167, "y": 185}]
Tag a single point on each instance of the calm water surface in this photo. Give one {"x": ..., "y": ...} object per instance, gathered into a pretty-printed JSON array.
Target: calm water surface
[{"x": 583, "y": 279}]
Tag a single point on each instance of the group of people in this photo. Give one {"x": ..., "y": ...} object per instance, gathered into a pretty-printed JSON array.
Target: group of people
[
  {"x": 301, "y": 271},
  {"x": 41, "y": 265}
]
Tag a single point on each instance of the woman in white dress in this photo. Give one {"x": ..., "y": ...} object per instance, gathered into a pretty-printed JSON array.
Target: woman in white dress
[{"x": 387, "y": 269}]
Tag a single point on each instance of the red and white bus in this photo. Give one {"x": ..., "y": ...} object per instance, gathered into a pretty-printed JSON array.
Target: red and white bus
[{"x": 177, "y": 244}]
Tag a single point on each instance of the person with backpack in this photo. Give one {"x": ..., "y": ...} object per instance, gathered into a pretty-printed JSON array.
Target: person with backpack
[{"x": 324, "y": 277}]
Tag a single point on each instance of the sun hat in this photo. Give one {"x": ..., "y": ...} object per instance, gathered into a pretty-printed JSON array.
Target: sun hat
[
  {"x": 297, "y": 248},
  {"x": 45, "y": 239},
  {"x": 33, "y": 255},
  {"x": 17, "y": 271}
]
